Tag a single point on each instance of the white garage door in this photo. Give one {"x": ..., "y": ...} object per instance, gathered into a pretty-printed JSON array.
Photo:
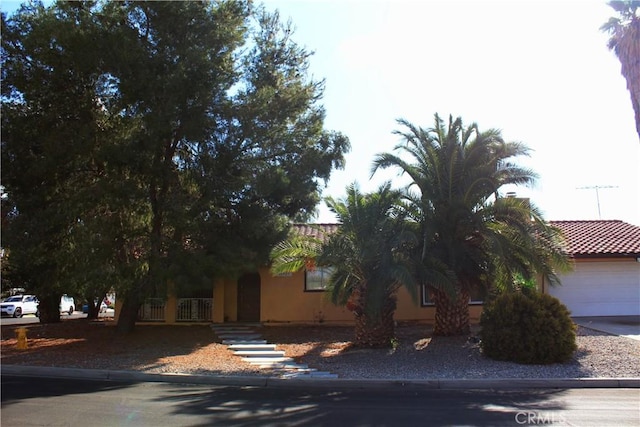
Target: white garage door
[{"x": 601, "y": 289}]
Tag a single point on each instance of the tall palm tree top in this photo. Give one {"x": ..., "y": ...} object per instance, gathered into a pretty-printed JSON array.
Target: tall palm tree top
[
  {"x": 456, "y": 174},
  {"x": 624, "y": 40},
  {"x": 617, "y": 25},
  {"x": 453, "y": 158}
]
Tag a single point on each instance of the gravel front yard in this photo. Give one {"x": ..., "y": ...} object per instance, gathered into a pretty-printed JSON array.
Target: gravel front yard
[
  {"x": 419, "y": 356},
  {"x": 196, "y": 349}
]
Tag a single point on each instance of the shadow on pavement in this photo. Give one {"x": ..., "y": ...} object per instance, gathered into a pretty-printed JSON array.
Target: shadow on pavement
[
  {"x": 258, "y": 406},
  {"x": 13, "y": 391}
]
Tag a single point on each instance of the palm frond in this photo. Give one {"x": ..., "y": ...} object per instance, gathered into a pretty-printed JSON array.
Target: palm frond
[
  {"x": 469, "y": 236},
  {"x": 294, "y": 253}
]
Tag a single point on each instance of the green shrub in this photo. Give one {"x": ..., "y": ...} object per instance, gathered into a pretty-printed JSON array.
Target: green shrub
[{"x": 527, "y": 327}]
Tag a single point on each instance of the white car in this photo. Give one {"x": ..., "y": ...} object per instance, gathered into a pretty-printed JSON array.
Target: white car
[
  {"x": 67, "y": 304},
  {"x": 19, "y": 305}
]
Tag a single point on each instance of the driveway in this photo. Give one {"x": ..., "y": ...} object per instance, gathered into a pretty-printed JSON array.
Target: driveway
[{"x": 625, "y": 326}]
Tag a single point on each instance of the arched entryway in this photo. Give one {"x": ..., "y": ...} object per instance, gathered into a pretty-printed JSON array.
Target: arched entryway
[{"x": 249, "y": 298}]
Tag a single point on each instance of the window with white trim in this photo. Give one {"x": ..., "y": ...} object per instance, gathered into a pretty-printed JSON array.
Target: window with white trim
[
  {"x": 476, "y": 297},
  {"x": 425, "y": 301},
  {"x": 317, "y": 280}
]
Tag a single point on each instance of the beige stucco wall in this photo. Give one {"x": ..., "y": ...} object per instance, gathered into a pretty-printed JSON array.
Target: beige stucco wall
[
  {"x": 230, "y": 300},
  {"x": 285, "y": 300},
  {"x": 218, "y": 301}
]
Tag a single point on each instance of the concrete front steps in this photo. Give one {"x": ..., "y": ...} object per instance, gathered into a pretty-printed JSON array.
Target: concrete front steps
[{"x": 249, "y": 346}]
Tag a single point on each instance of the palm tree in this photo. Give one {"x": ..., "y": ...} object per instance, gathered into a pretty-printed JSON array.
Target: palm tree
[
  {"x": 471, "y": 238},
  {"x": 368, "y": 258},
  {"x": 368, "y": 255},
  {"x": 298, "y": 251},
  {"x": 624, "y": 40}
]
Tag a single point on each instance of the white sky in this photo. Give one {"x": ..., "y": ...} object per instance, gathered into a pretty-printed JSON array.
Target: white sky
[{"x": 538, "y": 70}]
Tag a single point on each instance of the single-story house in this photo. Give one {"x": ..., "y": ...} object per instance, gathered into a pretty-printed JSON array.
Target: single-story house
[{"x": 605, "y": 281}]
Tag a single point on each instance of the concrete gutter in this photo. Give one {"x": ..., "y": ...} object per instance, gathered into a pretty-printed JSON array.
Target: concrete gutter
[{"x": 320, "y": 383}]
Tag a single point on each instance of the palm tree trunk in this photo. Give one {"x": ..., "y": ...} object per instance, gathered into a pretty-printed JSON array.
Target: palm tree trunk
[
  {"x": 452, "y": 315},
  {"x": 376, "y": 331}
]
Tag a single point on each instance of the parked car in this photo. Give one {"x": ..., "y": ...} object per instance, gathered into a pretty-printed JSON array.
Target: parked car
[
  {"x": 19, "y": 305},
  {"x": 110, "y": 300},
  {"x": 67, "y": 304},
  {"x": 103, "y": 307}
]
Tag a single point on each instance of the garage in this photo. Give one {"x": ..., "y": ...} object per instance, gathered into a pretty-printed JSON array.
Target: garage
[
  {"x": 605, "y": 280},
  {"x": 601, "y": 288}
]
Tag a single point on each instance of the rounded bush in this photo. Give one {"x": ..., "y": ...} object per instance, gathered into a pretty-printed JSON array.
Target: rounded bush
[{"x": 527, "y": 327}]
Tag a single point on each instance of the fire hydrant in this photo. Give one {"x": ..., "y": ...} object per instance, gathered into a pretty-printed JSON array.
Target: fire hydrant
[{"x": 21, "y": 335}]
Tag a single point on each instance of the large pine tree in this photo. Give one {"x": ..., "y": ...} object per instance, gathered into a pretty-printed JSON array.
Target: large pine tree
[{"x": 154, "y": 142}]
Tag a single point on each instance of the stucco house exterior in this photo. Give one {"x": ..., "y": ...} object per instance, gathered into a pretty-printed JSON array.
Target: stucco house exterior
[{"x": 604, "y": 282}]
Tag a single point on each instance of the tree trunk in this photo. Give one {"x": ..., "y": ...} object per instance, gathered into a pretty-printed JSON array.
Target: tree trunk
[
  {"x": 128, "y": 314},
  {"x": 92, "y": 309},
  {"x": 49, "y": 308},
  {"x": 376, "y": 332},
  {"x": 452, "y": 315}
]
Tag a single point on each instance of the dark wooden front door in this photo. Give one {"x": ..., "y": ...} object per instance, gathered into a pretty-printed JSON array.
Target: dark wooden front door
[{"x": 249, "y": 298}]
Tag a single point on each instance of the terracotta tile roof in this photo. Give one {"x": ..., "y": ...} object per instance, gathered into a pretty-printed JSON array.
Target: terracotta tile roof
[
  {"x": 600, "y": 238},
  {"x": 320, "y": 231}
]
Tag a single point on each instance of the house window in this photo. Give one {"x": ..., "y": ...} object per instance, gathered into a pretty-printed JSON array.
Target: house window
[
  {"x": 425, "y": 301},
  {"x": 317, "y": 279},
  {"x": 476, "y": 297}
]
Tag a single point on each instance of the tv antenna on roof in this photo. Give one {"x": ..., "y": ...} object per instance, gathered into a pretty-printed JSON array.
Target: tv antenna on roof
[{"x": 597, "y": 187}]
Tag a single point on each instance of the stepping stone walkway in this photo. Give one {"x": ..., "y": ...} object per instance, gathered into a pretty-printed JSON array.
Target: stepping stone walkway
[{"x": 248, "y": 345}]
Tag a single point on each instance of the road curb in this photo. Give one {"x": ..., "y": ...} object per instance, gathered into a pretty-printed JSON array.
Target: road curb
[
  {"x": 320, "y": 383},
  {"x": 459, "y": 384},
  {"x": 130, "y": 376}
]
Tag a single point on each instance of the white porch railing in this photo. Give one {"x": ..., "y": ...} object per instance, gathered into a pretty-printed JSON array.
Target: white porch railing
[
  {"x": 194, "y": 309},
  {"x": 152, "y": 310}
]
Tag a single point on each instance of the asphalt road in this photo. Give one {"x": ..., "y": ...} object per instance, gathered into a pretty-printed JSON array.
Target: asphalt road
[
  {"x": 31, "y": 318},
  {"x": 54, "y": 402}
]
